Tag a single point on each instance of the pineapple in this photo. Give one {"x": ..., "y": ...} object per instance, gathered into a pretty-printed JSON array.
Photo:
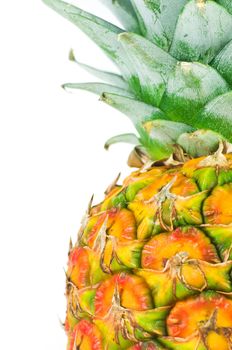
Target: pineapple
[{"x": 151, "y": 269}]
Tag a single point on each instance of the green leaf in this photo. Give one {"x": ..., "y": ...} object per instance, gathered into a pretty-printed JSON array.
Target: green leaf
[
  {"x": 103, "y": 33},
  {"x": 158, "y": 19},
  {"x": 189, "y": 88},
  {"x": 217, "y": 116},
  {"x": 159, "y": 136},
  {"x": 149, "y": 67},
  {"x": 137, "y": 111},
  {"x": 112, "y": 78},
  {"x": 203, "y": 29},
  {"x": 97, "y": 88},
  {"x": 227, "y": 4},
  {"x": 223, "y": 62},
  {"x": 123, "y": 9},
  {"x": 200, "y": 143},
  {"x": 126, "y": 138},
  {"x": 156, "y": 135}
]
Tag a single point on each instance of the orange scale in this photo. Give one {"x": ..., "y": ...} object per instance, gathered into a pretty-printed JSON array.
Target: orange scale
[
  {"x": 143, "y": 210},
  {"x": 79, "y": 267},
  {"x": 216, "y": 207},
  {"x": 110, "y": 215},
  {"x": 133, "y": 292},
  {"x": 188, "y": 316},
  {"x": 184, "y": 186},
  {"x": 93, "y": 227},
  {"x": 104, "y": 296},
  {"x": 71, "y": 341},
  {"x": 66, "y": 325},
  {"x": 140, "y": 176},
  {"x": 151, "y": 190},
  {"x": 122, "y": 224},
  {"x": 109, "y": 197},
  {"x": 192, "y": 165},
  {"x": 87, "y": 336},
  {"x": 164, "y": 246},
  {"x": 195, "y": 164}
]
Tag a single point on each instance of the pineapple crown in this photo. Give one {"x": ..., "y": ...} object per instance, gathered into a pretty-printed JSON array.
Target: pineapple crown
[{"x": 175, "y": 59}]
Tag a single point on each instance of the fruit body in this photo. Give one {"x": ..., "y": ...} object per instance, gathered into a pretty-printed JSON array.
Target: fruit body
[{"x": 152, "y": 265}]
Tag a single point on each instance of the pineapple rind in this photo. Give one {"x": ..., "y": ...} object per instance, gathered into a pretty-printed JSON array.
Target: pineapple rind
[{"x": 128, "y": 286}]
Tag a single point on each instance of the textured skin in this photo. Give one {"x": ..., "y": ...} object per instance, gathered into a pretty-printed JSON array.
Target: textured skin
[{"x": 152, "y": 265}]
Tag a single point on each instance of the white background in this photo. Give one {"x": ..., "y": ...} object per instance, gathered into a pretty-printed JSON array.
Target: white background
[{"x": 51, "y": 161}]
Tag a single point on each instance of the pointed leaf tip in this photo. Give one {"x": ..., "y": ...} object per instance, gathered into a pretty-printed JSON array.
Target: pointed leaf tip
[
  {"x": 124, "y": 138},
  {"x": 97, "y": 88},
  {"x": 103, "y": 33},
  {"x": 71, "y": 56},
  {"x": 112, "y": 78},
  {"x": 137, "y": 111},
  {"x": 124, "y": 11}
]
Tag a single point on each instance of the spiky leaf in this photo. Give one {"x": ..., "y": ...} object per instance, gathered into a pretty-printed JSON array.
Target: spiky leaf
[
  {"x": 149, "y": 67},
  {"x": 103, "y": 33},
  {"x": 137, "y": 111},
  {"x": 159, "y": 136},
  {"x": 203, "y": 29},
  {"x": 199, "y": 143},
  {"x": 126, "y": 138},
  {"x": 109, "y": 77},
  {"x": 97, "y": 88},
  {"x": 123, "y": 9},
  {"x": 158, "y": 19},
  {"x": 223, "y": 62},
  {"x": 189, "y": 88},
  {"x": 217, "y": 116}
]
